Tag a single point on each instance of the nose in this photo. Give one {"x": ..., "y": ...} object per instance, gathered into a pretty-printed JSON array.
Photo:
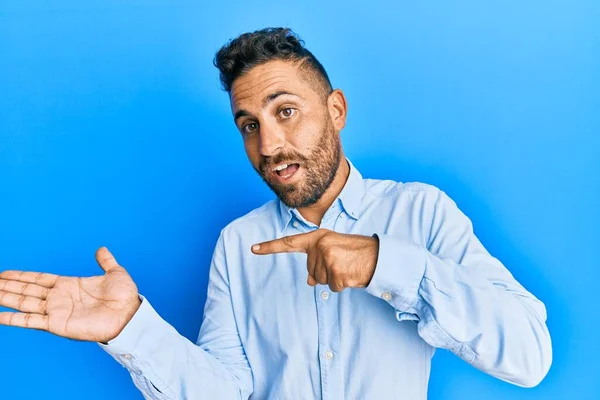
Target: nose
[{"x": 272, "y": 139}]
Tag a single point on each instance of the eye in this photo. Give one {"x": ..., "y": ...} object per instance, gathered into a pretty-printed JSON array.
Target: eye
[
  {"x": 249, "y": 128},
  {"x": 287, "y": 112}
]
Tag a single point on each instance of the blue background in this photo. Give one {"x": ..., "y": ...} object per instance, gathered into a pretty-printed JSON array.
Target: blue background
[{"x": 114, "y": 131}]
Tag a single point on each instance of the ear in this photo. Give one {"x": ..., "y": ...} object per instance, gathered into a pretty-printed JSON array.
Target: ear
[{"x": 338, "y": 108}]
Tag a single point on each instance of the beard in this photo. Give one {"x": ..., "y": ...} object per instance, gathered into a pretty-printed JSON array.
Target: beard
[{"x": 320, "y": 168}]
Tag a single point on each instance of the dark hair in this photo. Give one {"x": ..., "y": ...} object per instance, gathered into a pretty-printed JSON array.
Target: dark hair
[{"x": 254, "y": 48}]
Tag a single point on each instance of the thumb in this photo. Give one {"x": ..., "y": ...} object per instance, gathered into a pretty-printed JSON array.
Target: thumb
[{"x": 106, "y": 260}]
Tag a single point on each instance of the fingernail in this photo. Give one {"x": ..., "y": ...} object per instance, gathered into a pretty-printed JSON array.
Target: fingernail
[{"x": 256, "y": 247}]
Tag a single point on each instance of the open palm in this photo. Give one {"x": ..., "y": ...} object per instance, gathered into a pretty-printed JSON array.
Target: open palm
[{"x": 92, "y": 309}]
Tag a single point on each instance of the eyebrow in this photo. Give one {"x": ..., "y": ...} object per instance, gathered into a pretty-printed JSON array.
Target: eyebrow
[{"x": 266, "y": 101}]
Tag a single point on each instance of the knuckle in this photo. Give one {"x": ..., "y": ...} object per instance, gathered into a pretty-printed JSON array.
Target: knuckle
[
  {"x": 20, "y": 302},
  {"x": 336, "y": 287},
  {"x": 24, "y": 288},
  {"x": 43, "y": 307},
  {"x": 325, "y": 240},
  {"x": 288, "y": 240},
  {"x": 330, "y": 249},
  {"x": 335, "y": 270}
]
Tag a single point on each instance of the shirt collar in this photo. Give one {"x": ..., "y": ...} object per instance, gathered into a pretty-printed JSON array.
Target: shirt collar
[{"x": 350, "y": 199}]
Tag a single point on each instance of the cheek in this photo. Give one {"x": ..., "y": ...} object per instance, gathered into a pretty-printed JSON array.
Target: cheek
[{"x": 303, "y": 135}]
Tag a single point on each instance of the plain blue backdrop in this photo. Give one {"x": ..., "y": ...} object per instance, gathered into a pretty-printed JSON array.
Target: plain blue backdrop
[{"x": 114, "y": 132}]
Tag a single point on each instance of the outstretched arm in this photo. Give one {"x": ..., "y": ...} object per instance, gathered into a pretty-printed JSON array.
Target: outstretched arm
[
  {"x": 165, "y": 365},
  {"x": 109, "y": 310}
]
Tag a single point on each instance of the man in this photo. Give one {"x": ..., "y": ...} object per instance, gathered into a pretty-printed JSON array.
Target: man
[{"x": 341, "y": 288}]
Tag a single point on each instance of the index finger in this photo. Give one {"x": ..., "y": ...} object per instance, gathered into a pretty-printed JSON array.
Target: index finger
[{"x": 287, "y": 244}]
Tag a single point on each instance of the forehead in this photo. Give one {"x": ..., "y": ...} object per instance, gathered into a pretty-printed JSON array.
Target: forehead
[{"x": 250, "y": 89}]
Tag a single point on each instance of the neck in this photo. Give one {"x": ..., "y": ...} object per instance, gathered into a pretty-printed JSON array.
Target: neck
[{"x": 314, "y": 213}]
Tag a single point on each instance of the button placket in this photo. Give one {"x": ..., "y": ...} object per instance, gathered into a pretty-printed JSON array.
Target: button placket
[{"x": 328, "y": 315}]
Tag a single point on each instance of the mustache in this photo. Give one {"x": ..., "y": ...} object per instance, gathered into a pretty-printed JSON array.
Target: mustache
[{"x": 268, "y": 163}]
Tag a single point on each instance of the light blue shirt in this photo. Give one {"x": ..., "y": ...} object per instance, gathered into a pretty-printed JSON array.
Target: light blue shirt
[{"x": 267, "y": 334}]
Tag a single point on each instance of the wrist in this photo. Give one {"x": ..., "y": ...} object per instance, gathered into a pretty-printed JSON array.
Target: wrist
[
  {"x": 370, "y": 256},
  {"x": 131, "y": 311},
  {"x": 373, "y": 257}
]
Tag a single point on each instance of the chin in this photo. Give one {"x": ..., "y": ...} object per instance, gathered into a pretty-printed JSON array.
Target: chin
[{"x": 298, "y": 201}]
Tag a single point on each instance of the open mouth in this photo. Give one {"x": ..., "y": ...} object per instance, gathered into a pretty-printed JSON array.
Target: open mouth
[{"x": 284, "y": 173}]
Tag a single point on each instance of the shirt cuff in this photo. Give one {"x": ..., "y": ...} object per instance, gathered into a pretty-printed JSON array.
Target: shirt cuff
[
  {"x": 145, "y": 327},
  {"x": 398, "y": 273}
]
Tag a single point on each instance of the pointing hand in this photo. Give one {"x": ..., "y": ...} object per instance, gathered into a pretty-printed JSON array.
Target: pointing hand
[{"x": 339, "y": 260}]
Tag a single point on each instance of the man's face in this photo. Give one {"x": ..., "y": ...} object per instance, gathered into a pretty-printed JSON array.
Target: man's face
[{"x": 285, "y": 121}]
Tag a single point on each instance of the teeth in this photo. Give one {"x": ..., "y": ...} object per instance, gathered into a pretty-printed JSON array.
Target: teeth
[{"x": 280, "y": 167}]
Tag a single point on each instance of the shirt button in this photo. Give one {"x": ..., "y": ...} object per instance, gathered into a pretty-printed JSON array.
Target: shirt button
[
  {"x": 295, "y": 224},
  {"x": 324, "y": 295},
  {"x": 328, "y": 355},
  {"x": 342, "y": 215},
  {"x": 127, "y": 356},
  {"x": 387, "y": 296}
]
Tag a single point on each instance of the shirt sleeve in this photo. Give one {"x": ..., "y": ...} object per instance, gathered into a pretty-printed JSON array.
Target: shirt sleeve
[
  {"x": 463, "y": 299},
  {"x": 166, "y": 366}
]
